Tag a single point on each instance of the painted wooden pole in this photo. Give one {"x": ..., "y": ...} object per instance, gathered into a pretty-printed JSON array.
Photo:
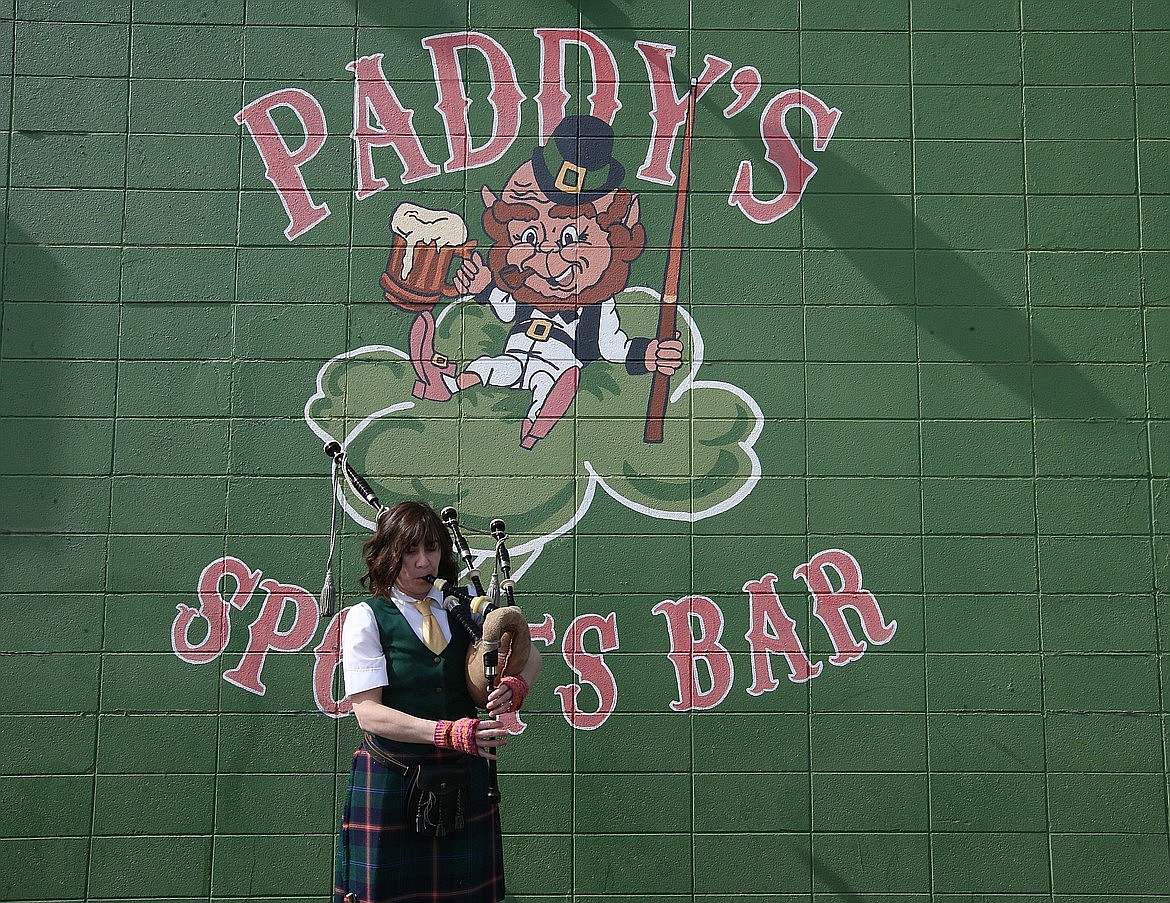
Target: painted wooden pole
[{"x": 660, "y": 385}]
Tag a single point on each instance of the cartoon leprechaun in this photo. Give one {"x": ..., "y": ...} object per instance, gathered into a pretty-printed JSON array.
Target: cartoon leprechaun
[{"x": 564, "y": 234}]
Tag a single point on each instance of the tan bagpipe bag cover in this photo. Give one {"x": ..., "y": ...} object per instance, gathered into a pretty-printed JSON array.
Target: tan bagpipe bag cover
[{"x": 505, "y": 629}]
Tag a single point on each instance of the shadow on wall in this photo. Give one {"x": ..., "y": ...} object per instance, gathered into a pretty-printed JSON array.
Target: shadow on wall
[
  {"x": 832, "y": 216},
  {"x": 603, "y": 16},
  {"x": 823, "y": 875},
  {"x": 384, "y": 13},
  {"x": 45, "y": 436},
  {"x": 29, "y": 263},
  {"x": 592, "y": 12}
]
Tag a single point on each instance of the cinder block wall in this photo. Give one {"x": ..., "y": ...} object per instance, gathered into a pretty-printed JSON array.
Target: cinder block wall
[{"x": 881, "y": 619}]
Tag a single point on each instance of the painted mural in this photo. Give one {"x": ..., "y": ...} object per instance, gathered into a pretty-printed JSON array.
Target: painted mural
[{"x": 508, "y": 336}]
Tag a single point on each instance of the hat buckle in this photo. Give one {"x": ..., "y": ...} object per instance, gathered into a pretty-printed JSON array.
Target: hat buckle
[{"x": 578, "y": 173}]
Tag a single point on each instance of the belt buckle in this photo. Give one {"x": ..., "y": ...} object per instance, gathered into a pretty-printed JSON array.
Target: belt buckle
[
  {"x": 539, "y": 330},
  {"x": 440, "y": 360}
]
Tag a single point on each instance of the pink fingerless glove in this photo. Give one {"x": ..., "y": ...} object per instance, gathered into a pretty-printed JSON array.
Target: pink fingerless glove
[
  {"x": 519, "y": 687},
  {"x": 457, "y": 735}
]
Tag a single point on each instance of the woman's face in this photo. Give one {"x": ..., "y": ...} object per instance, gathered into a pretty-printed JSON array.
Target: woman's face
[{"x": 418, "y": 561}]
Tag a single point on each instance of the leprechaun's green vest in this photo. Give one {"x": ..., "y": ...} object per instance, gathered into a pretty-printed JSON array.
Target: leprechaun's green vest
[{"x": 421, "y": 683}]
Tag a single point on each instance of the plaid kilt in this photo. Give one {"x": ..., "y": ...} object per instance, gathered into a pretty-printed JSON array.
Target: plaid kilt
[{"x": 383, "y": 860}]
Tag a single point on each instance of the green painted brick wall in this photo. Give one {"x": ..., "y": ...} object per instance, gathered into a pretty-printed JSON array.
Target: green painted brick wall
[{"x": 950, "y": 360}]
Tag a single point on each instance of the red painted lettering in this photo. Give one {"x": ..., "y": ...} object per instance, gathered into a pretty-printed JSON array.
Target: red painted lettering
[
  {"x": 783, "y": 153},
  {"x": 829, "y": 604},
  {"x": 590, "y": 668},
  {"x": 512, "y": 722},
  {"x": 265, "y": 633},
  {"x": 746, "y": 84},
  {"x": 772, "y": 631},
  {"x": 505, "y": 97},
  {"x": 326, "y": 661},
  {"x": 687, "y": 650},
  {"x": 669, "y": 111},
  {"x": 282, "y": 165},
  {"x": 214, "y": 610},
  {"x": 554, "y": 96},
  {"x": 373, "y": 96},
  {"x": 545, "y": 631}
]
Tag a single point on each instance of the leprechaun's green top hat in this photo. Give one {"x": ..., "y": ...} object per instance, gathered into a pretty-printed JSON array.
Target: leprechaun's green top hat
[{"x": 577, "y": 165}]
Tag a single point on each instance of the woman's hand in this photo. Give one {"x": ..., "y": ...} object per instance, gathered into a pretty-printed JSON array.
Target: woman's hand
[
  {"x": 508, "y": 696},
  {"x": 500, "y": 701},
  {"x": 472, "y": 736},
  {"x": 488, "y": 736}
]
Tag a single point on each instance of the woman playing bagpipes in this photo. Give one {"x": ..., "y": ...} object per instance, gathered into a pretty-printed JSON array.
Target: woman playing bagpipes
[{"x": 418, "y": 825}]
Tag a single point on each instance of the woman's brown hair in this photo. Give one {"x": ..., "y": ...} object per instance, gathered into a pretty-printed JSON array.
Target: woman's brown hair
[{"x": 403, "y": 526}]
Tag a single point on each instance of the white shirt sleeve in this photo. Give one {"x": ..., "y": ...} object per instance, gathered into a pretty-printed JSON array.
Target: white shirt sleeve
[
  {"x": 612, "y": 340},
  {"x": 363, "y": 663},
  {"x": 503, "y": 304}
]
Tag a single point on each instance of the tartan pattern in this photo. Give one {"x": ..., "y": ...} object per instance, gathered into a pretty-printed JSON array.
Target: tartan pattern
[{"x": 382, "y": 859}]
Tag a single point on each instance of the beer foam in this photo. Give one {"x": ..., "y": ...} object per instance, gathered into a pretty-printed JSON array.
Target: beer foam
[{"x": 418, "y": 225}]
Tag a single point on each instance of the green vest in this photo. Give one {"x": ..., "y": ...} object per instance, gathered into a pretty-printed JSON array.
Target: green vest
[{"x": 421, "y": 683}]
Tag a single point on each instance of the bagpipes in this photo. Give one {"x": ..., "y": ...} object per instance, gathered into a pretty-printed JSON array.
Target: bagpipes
[{"x": 501, "y": 643}]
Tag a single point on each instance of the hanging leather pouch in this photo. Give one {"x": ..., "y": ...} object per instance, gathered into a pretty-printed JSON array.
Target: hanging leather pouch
[{"x": 436, "y": 795}]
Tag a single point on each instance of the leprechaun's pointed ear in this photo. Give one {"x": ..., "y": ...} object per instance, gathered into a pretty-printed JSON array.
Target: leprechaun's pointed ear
[
  {"x": 633, "y": 214},
  {"x": 626, "y": 205},
  {"x": 488, "y": 197},
  {"x": 619, "y": 206}
]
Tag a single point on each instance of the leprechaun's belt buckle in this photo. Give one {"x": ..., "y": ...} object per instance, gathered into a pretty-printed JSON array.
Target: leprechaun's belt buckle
[
  {"x": 539, "y": 330},
  {"x": 568, "y": 168}
]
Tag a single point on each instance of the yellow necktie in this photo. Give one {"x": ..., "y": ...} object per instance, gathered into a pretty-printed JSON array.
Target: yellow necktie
[{"x": 432, "y": 636}]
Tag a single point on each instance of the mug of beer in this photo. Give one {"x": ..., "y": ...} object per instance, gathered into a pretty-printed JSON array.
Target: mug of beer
[{"x": 425, "y": 243}]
